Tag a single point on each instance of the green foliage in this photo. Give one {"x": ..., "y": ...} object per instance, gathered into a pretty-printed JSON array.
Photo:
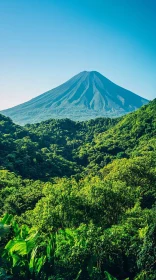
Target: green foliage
[
  {"x": 109, "y": 277},
  {"x": 49, "y": 149},
  {"x": 98, "y": 223}
]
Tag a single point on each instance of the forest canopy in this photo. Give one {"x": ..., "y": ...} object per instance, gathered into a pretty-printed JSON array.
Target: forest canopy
[{"x": 78, "y": 198}]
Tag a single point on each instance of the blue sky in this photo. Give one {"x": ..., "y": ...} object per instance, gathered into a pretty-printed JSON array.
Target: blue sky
[{"x": 43, "y": 43}]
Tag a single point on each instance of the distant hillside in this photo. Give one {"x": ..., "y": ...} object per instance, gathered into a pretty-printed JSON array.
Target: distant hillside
[
  {"x": 133, "y": 135},
  {"x": 85, "y": 96},
  {"x": 46, "y": 149},
  {"x": 64, "y": 147}
]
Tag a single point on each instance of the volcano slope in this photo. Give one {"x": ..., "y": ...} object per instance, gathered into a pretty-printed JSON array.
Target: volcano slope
[{"x": 85, "y": 96}]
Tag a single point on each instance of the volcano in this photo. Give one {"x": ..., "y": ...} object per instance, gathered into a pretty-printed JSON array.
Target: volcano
[{"x": 86, "y": 96}]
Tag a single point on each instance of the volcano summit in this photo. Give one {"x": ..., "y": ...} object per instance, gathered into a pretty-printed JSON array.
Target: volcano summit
[{"x": 85, "y": 96}]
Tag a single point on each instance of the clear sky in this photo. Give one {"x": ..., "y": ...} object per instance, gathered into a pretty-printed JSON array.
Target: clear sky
[{"x": 45, "y": 42}]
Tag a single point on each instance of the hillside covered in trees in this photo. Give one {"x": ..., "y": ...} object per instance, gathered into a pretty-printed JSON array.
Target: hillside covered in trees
[{"x": 78, "y": 198}]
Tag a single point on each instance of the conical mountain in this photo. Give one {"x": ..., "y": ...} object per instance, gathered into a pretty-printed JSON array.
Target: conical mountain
[{"x": 85, "y": 96}]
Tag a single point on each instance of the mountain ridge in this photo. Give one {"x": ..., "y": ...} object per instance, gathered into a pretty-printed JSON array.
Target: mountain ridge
[{"x": 85, "y": 96}]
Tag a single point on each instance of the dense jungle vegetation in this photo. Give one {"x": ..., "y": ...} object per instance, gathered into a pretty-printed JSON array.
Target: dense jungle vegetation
[{"x": 78, "y": 198}]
